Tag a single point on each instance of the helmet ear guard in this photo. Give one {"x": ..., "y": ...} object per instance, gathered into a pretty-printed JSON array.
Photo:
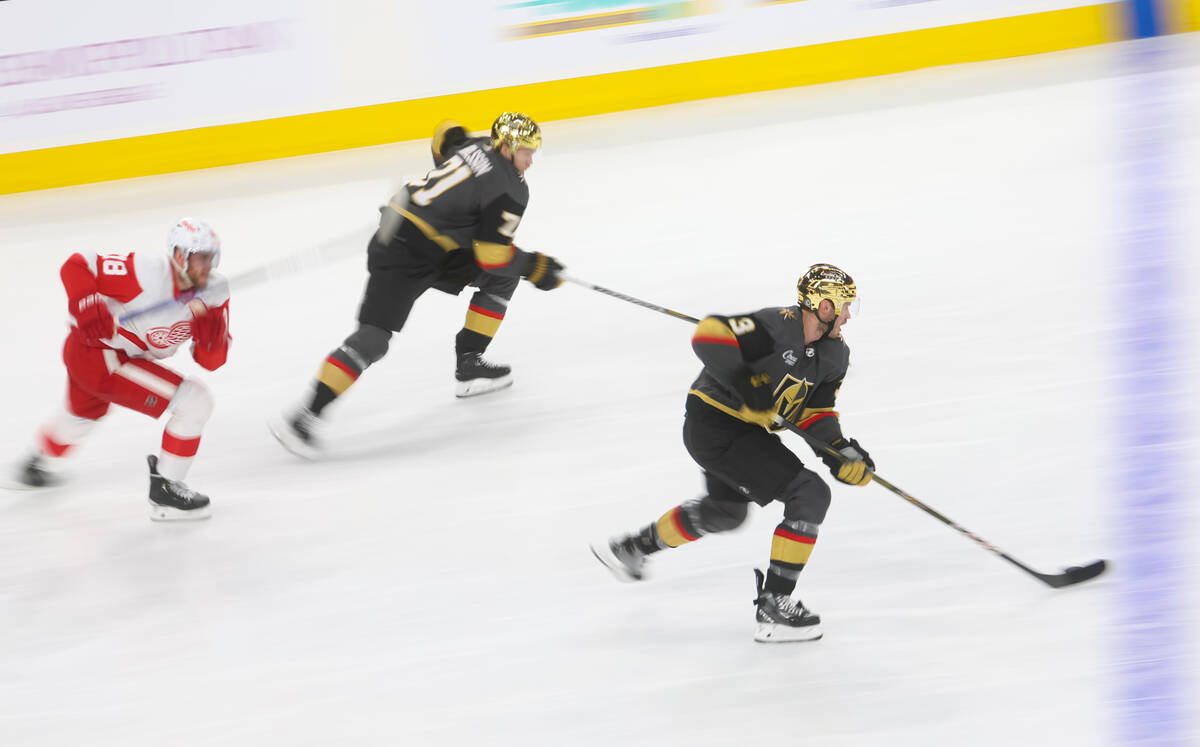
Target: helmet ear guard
[
  {"x": 825, "y": 282},
  {"x": 516, "y": 130}
]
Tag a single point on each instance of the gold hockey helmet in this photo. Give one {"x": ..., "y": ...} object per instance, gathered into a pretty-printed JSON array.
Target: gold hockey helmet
[
  {"x": 825, "y": 281},
  {"x": 517, "y": 130}
]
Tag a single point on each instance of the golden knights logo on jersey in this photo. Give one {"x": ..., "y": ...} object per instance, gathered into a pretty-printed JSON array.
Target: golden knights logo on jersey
[{"x": 790, "y": 396}]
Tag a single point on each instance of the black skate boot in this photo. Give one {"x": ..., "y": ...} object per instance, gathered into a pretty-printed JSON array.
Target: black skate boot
[
  {"x": 32, "y": 474},
  {"x": 476, "y": 376},
  {"x": 780, "y": 618},
  {"x": 173, "y": 501},
  {"x": 296, "y": 432},
  {"x": 622, "y": 556}
]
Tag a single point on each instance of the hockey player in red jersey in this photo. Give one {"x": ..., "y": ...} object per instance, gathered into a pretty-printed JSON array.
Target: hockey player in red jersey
[
  {"x": 448, "y": 230},
  {"x": 110, "y": 362},
  {"x": 787, "y": 362}
]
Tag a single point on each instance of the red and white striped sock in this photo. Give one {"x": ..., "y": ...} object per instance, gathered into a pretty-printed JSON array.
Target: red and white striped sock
[
  {"x": 190, "y": 408},
  {"x": 176, "y": 456},
  {"x": 59, "y": 435}
]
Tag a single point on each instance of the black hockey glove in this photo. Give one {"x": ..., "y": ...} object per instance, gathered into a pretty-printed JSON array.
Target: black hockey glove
[
  {"x": 544, "y": 273},
  {"x": 857, "y": 470},
  {"x": 758, "y": 392},
  {"x": 446, "y": 139}
]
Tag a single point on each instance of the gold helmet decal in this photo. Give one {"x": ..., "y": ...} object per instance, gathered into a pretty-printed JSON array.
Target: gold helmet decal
[
  {"x": 824, "y": 281},
  {"x": 517, "y": 130}
]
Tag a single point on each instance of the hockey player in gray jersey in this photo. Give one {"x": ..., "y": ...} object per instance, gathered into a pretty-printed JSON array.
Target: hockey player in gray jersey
[
  {"x": 788, "y": 362},
  {"x": 451, "y": 229}
]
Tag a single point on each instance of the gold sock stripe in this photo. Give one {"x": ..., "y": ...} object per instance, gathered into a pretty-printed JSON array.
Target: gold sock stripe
[
  {"x": 791, "y": 548},
  {"x": 671, "y": 531},
  {"x": 483, "y": 321},
  {"x": 334, "y": 375}
]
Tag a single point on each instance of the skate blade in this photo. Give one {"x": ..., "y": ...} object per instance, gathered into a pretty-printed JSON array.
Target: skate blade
[
  {"x": 476, "y": 387},
  {"x": 11, "y": 483},
  {"x": 168, "y": 513},
  {"x": 609, "y": 561},
  {"x": 282, "y": 432},
  {"x": 772, "y": 633}
]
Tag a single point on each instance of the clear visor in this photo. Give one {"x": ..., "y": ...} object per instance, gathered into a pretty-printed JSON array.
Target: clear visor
[
  {"x": 848, "y": 304},
  {"x": 202, "y": 259}
]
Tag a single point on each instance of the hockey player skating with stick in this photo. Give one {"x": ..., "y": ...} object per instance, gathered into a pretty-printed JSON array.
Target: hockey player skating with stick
[
  {"x": 788, "y": 361},
  {"x": 451, "y": 229},
  {"x": 110, "y": 363}
]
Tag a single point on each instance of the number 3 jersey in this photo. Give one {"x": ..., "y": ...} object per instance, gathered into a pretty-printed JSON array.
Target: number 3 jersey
[
  {"x": 132, "y": 283},
  {"x": 804, "y": 378},
  {"x": 472, "y": 201}
]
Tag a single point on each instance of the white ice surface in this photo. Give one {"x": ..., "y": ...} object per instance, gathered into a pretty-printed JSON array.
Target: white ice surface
[{"x": 430, "y": 583}]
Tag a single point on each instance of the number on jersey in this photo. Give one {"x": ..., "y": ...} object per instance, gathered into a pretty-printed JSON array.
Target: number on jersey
[
  {"x": 113, "y": 265},
  {"x": 454, "y": 172}
]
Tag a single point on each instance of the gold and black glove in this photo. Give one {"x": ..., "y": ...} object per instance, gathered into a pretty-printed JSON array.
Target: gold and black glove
[
  {"x": 758, "y": 392},
  {"x": 858, "y": 466},
  {"x": 545, "y": 272}
]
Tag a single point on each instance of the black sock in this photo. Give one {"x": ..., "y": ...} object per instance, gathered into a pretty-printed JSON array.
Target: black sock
[
  {"x": 647, "y": 540},
  {"x": 322, "y": 396},
  {"x": 777, "y": 584},
  {"x": 470, "y": 341}
]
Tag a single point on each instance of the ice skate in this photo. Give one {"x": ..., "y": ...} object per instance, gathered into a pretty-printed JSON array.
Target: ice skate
[
  {"x": 781, "y": 618},
  {"x": 31, "y": 474},
  {"x": 171, "y": 500},
  {"x": 477, "y": 376},
  {"x": 296, "y": 432},
  {"x": 621, "y": 556}
]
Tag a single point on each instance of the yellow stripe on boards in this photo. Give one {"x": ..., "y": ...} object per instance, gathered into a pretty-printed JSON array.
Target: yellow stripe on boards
[
  {"x": 1186, "y": 16},
  {"x": 561, "y": 99}
]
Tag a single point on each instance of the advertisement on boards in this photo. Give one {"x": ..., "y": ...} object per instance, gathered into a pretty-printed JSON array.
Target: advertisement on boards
[{"x": 74, "y": 72}]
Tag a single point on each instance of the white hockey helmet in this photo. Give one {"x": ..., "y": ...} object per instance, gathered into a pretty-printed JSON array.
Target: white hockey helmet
[{"x": 193, "y": 237}]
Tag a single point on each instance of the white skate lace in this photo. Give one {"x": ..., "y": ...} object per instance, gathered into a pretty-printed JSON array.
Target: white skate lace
[
  {"x": 478, "y": 361},
  {"x": 788, "y": 607},
  {"x": 182, "y": 491}
]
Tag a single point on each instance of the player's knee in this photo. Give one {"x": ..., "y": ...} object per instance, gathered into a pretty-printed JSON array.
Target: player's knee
[
  {"x": 192, "y": 403},
  {"x": 499, "y": 287},
  {"x": 806, "y": 498},
  {"x": 368, "y": 342},
  {"x": 721, "y": 516}
]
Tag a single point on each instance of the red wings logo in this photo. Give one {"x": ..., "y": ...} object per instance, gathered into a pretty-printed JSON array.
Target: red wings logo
[{"x": 163, "y": 337}]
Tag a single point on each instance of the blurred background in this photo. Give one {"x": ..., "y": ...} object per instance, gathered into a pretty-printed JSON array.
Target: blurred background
[{"x": 1013, "y": 183}]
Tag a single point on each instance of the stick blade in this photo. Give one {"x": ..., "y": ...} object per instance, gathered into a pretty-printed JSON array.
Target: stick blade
[{"x": 1075, "y": 574}]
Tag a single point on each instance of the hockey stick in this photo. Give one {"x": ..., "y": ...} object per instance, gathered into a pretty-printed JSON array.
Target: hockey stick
[
  {"x": 1068, "y": 577},
  {"x": 291, "y": 264},
  {"x": 631, "y": 299}
]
